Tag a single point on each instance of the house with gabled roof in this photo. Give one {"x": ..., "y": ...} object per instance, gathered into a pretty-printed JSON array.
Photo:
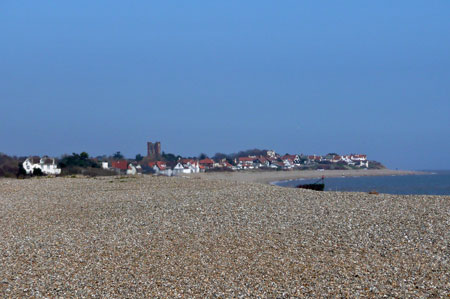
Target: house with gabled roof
[
  {"x": 245, "y": 162},
  {"x": 190, "y": 166},
  {"x": 314, "y": 158},
  {"x": 207, "y": 163},
  {"x": 45, "y": 164},
  {"x": 160, "y": 167},
  {"x": 261, "y": 161},
  {"x": 358, "y": 157},
  {"x": 336, "y": 159},
  {"x": 121, "y": 165}
]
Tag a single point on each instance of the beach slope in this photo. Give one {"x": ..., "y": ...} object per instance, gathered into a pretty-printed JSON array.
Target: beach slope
[{"x": 185, "y": 237}]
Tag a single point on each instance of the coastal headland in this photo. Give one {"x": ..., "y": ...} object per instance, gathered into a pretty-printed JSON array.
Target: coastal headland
[
  {"x": 171, "y": 237},
  {"x": 267, "y": 177}
]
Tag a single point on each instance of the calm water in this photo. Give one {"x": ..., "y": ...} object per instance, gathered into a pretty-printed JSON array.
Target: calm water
[{"x": 437, "y": 183}]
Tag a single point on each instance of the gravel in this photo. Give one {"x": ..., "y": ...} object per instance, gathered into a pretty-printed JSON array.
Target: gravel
[{"x": 191, "y": 237}]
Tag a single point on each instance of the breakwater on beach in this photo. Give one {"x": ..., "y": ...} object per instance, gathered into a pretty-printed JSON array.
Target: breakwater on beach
[{"x": 438, "y": 183}]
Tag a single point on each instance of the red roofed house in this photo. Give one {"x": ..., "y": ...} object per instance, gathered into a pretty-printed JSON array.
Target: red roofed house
[
  {"x": 245, "y": 161},
  {"x": 160, "y": 167},
  {"x": 120, "y": 164},
  {"x": 206, "y": 163},
  {"x": 336, "y": 159},
  {"x": 227, "y": 165},
  {"x": 190, "y": 166},
  {"x": 261, "y": 162},
  {"x": 315, "y": 158},
  {"x": 293, "y": 159},
  {"x": 187, "y": 161},
  {"x": 362, "y": 159},
  {"x": 358, "y": 157}
]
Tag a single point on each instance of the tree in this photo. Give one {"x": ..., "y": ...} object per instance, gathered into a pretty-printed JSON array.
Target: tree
[
  {"x": 170, "y": 157},
  {"x": 202, "y": 156},
  {"x": 118, "y": 156},
  {"x": 250, "y": 152},
  {"x": 81, "y": 160},
  {"x": 139, "y": 157},
  {"x": 219, "y": 156}
]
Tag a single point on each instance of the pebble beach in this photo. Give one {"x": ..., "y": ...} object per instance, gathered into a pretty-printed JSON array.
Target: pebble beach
[{"x": 201, "y": 237}]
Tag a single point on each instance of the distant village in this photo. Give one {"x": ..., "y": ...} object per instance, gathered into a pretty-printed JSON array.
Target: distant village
[{"x": 157, "y": 162}]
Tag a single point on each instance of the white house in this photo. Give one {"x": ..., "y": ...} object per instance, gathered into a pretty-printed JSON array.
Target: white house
[
  {"x": 161, "y": 168},
  {"x": 131, "y": 169},
  {"x": 45, "y": 164},
  {"x": 358, "y": 157},
  {"x": 180, "y": 169},
  {"x": 362, "y": 164},
  {"x": 134, "y": 169},
  {"x": 246, "y": 162},
  {"x": 271, "y": 154},
  {"x": 105, "y": 165},
  {"x": 360, "y": 160},
  {"x": 186, "y": 166},
  {"x": 288, "y": 164}
]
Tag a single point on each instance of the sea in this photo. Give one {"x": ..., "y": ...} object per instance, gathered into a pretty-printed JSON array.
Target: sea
[{"x": 437, "y": 182}]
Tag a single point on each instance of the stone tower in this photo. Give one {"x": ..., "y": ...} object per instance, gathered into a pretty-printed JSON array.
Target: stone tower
[{"x": 153, "y": 149}]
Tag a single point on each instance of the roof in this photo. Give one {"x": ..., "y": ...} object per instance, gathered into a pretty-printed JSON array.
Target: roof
[
  {"x": 35, "y": 160},
  {"x": 244, "y": 159},
  {"x": 207, "y": 161},
  {"x": 262, "y": 159},
  {"x": 120, "y": 164},
  {"x": 314, "y": 157},
  {"x": 160, "y": 164},
  {"x": 185, "y": 161},
  {"x": 291, "y": 157}
]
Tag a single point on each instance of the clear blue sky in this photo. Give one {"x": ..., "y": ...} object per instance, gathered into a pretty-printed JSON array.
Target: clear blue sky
[{"x": 210, "y": 76}]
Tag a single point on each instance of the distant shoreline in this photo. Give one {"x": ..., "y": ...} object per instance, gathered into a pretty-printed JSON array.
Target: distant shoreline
[{"x": 272, "y": 177}]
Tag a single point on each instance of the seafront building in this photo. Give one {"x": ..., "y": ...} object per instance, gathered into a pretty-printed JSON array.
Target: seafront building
[{"x": 45, "y": 164}]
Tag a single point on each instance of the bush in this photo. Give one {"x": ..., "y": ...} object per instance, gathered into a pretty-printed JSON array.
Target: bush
[
  {"x": 87, "y": 171},
  {"x": 376, "y": 165},
  {"x": 22, "y": 172},
  {"x": 37, "y": 172},
  {"x": 80, "y": 160},
  {"x": 8, "y": 166}
]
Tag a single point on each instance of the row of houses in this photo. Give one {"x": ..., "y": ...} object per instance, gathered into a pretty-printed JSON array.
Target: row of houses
[
  {"x": 272, "y": 161},
  {"x": 298, "y": 161},
  {"x": 358, "y": 160}
]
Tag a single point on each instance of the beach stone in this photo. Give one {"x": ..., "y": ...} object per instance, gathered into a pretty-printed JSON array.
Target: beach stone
[{"x": 203, "y": 237}]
